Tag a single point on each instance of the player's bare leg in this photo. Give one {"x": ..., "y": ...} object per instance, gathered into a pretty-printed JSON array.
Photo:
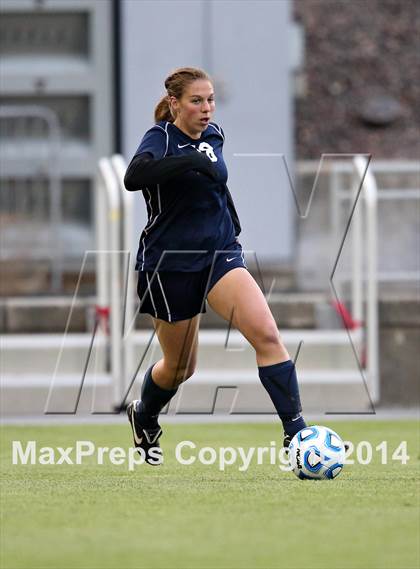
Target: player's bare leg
[
  {"x": 237, "y": 296},
  {"x": 179, "y": 341}
]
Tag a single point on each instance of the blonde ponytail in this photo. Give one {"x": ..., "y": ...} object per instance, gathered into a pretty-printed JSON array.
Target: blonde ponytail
[{"x": 163, "y": 110}]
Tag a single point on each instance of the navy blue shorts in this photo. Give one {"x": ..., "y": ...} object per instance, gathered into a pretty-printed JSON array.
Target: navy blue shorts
[{"x": 176, "y": 295}]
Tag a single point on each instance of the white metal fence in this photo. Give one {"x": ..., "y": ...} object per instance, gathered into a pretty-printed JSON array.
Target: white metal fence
[
  {"x": 114, "y": 229},
  {"x": 363, "y": 225}
]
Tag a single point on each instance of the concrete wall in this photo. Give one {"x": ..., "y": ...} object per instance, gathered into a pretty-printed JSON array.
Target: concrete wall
[
  {"x": 399, "y": 343},
  {"x": 245, "y": 46}
]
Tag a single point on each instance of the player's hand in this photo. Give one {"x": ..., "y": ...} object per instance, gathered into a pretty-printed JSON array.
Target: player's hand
[{"x": 205, "y": 166}]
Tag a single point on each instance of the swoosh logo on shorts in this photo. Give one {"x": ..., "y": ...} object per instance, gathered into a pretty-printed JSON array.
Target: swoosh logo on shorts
[{"x": 229, "y": 260}]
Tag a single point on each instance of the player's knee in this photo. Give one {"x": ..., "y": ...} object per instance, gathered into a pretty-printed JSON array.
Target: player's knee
[
  {"x": 267, "y": 336},
  {"x": 180, "y": 372}
]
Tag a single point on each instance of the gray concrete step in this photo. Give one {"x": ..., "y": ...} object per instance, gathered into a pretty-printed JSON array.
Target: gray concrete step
[
  {"x": 226, "y": 374},
  {"x": 209, "y": 391},
  {"x": 23, "y": 394},
  {"x": 56, "y": 353},
  {"x": 42, "y": 353}
]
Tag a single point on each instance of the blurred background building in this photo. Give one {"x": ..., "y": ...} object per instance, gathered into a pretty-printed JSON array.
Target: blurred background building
[{"x": 300, "y": 78}]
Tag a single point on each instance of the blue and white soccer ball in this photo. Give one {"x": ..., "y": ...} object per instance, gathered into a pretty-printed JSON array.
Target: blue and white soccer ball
[{"x": 316, "y": 453}]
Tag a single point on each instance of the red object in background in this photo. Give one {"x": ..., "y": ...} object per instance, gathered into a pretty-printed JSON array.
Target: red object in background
[
  {"x": 345, "y": 315},
  {"x": 350, "y": 324},
  {"x": 102, "y": 316}
]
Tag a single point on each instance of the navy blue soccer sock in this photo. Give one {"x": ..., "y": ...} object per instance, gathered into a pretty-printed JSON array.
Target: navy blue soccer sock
[
  {"x": 280, "y": 381},
  {"x": 153, "y": 400}
]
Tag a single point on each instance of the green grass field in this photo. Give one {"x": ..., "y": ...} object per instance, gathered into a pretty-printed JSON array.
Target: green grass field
[{"x": 175, "y": 516}]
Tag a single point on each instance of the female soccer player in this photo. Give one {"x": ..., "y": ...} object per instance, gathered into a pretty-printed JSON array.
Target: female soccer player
[{"x": 189, "y": 252}]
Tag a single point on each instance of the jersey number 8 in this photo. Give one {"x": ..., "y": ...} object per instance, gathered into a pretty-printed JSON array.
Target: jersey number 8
[{"x": 208, "y": 149}]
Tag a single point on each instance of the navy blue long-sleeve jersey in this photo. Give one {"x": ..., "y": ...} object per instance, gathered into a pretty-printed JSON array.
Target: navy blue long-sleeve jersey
[{"x": 189, "y": 207}]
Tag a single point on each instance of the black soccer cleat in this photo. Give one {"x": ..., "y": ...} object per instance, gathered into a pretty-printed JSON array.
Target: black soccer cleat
[
  {"x": 146, "y": 439},
  {"x": 287, "y": 440}
]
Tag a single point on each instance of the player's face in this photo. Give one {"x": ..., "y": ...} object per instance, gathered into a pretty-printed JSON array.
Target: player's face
[{"x": 195, "y": 108}]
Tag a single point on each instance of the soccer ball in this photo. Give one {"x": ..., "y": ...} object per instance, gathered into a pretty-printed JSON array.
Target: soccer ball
[{"x": 316, "y": 453}]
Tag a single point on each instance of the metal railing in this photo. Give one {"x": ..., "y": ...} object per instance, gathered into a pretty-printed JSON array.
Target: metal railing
[
  {"x": 363, "y": 175},
  {"x": 364, "y": 279},
  {"x": 362, "y": 194},
  {"x": 114, "y": 219}
]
